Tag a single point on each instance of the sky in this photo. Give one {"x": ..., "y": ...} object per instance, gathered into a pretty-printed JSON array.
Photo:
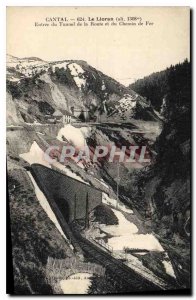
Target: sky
[{"x": 125, "y": 53}]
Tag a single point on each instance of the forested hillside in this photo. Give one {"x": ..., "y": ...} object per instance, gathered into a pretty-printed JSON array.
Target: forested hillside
[
  {"x": 165, "y": 186},
  {"x": 157, "y": 86}
]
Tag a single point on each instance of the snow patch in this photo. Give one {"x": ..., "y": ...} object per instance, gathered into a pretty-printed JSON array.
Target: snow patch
[
  {"x": 78, "y": 283},
  {"x": 75, "y": 136},
  {"x": 126, "y": 105},
  {"x": 168, "y": 268},
  {"x": 125, "y": 235},
  {"x": 78, "y": 74},
  {"x": 75, "y": 69},
  {"x": 14, "y": 79},
  {"x": 27, "y": 66},
  {"x": 103, "y": 87},
  {"x": 35, "y": 156},
  {"x": 60, "y": 66}
]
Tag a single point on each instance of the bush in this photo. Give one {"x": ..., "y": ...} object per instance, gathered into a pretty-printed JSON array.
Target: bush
[{"x": 104, "y": 215}]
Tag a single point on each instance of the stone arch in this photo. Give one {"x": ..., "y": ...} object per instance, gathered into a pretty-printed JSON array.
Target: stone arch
[{"x": 73, "y": 272}]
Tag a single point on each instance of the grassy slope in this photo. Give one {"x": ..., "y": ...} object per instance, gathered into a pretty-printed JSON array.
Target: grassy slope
[{"x": 34, "y": 237}]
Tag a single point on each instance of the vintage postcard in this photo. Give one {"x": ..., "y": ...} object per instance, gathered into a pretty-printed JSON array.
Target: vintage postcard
[{"x": 98, "y": 150}]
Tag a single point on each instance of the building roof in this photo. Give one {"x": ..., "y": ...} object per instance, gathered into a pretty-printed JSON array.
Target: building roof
[{"x": 57, "y": 113}]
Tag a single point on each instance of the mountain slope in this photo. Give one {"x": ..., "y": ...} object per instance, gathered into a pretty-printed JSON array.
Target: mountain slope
[{"x": 40, "y": 88}]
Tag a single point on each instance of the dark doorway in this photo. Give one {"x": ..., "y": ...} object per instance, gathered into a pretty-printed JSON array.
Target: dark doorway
[{"x": 64, "y": 207}]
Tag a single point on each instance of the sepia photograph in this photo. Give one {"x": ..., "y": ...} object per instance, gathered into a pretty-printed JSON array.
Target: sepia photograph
[{"x": 98, "y": 148}]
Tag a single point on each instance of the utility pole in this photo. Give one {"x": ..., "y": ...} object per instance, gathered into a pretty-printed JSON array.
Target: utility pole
[
  {"x": 118, "y": 181},
  {"x": 75, "y": 199},
  {"x": 87, "y": 213}
]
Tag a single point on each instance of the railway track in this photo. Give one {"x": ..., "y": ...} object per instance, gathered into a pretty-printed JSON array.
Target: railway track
[{"x": 134, "y": 280}]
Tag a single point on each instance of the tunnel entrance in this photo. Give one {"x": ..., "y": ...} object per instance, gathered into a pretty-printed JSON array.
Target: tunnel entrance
[
  {"x": 63, "y": 207},
  {"x": 68, "y": 197}
]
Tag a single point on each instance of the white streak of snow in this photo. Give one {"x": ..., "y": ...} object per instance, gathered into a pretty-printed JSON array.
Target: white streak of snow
[{"x": 45, "y": 205}]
